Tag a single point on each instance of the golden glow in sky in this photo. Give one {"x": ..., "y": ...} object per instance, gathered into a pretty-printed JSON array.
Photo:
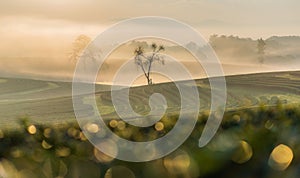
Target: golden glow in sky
[{"x": 43, "y": 31}]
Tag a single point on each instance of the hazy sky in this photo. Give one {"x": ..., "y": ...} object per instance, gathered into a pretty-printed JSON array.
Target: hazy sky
[
  {"x": 64, "y": 19},
  {"x": 231, "y": 14},
  {"x": 35, "y": 28}
]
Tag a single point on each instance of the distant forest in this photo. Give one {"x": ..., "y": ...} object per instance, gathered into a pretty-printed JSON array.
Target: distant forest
[{"x": 276, "y": 48}]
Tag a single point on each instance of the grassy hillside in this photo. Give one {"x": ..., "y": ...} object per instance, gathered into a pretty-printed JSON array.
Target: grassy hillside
[
  {"x": 243, "y": 91},
  {"x": 51, "y": 102}
]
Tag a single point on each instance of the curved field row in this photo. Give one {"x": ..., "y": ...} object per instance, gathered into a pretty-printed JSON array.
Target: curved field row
[
  {"x": 242, "y": 91},
  {"x": 45, "y": 101},
  {"x": 10, "y": 86}
]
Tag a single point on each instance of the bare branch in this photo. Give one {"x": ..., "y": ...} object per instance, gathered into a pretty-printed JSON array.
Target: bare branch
[
  {"x": 145, "y": 61},
  {"x": 153, "y": 46}
]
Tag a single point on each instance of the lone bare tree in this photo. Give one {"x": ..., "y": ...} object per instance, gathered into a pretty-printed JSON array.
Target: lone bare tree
[
  {"x": 145, "y": 60},
  {"x": 261, "y": 45},
  {"x": 78, "y": 46},
  {"x": 79, "y": 49}
]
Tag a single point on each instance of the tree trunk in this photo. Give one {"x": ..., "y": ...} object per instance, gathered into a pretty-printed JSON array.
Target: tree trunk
[{"x": 149, "y": 81}]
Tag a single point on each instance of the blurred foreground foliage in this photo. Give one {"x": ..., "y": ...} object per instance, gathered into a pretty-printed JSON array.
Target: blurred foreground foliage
[{"x": 250, "y": 143}]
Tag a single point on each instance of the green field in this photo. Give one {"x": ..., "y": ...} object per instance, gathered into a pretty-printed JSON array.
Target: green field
[{"x": 51, "y": 102}]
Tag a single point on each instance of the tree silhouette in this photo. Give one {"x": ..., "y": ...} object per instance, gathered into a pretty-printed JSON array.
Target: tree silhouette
[
  {"x": 79, "y": 49},
  {"x": 261, "y": 50},
  {"x": 78, "y": 46},
  {"x": 145, "y": 61}
]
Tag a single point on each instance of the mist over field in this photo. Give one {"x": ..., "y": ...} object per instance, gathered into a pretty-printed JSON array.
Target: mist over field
[
  {"x": 236, "y": 55},
  {"x": 37, "y": 37}
]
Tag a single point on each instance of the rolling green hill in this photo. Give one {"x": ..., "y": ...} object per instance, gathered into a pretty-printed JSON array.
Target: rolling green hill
[{"x": 51, "y": 102}]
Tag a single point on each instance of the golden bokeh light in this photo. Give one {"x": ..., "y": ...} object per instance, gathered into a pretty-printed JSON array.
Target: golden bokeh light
[
  {"x": 16, "y": 153},
  {"x": 281, "y": 157},
  {"x": 177, "y": 163},
  {"x": 126, "y": 133},
  {"x": 119, "y": 171},
  {"x": 92, "y": 128},
  {"x": 243, "y": 153},
  {"x": 82, "y": 137},
  {"x": 31, "y": 129},
  {"x": 8, "y": 169},
  {"x": 106, "y": 145},
  {"x": 73, "y": 132},
  {"x": 46, "y": 145},
  {"x": 101, "y": 157},
  {"x": 236, "y": 118},
  {"x": 113, "y": 123},
  {"x": 62, "y": 152},
  {"x": 159, "y": 126},
  {"x": 121, "y": 125},
  {"x": 47, "y": 133}
]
